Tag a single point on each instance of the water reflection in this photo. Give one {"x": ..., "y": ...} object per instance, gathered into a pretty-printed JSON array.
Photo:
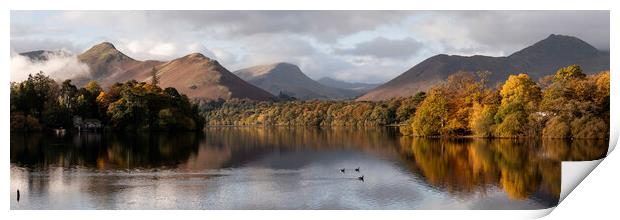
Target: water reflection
[
  {"x": 285, "y": 168},
  {"x": 103, "y": 151}
]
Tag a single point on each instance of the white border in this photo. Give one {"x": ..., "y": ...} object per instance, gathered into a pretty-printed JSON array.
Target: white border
[{"x": 606, "y": 174}]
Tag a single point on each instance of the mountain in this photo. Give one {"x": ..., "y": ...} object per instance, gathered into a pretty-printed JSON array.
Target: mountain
[
  {"x": 355, "y": 86},
  {"x": 194, "y": 75},
  {"x": 200, "y": 77},
  {"x": 108, "y": 65},
  {"x": 290, "y": 80},
  {"x": 540, "y": 59}
]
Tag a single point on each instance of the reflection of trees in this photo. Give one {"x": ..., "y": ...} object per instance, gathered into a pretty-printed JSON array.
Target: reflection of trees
[
  {"x": 247, "y": 143},
  {"x": 575, "y": 150},
  {"x": 517, "y": 164},
  {"x": 462, "y": 167},
  {"x": 522, "y": 168},
  {"x": 458, "y": 166},
  {"x": 142, "y": 150}
]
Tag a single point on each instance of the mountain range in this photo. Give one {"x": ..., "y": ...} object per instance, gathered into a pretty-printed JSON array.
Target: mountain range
[
  {"x": 288, "y": 79},
  {"x": 201, "y": 77},
  {"x": 194, "y": 75},
  {"x": 542, "y": 58}
]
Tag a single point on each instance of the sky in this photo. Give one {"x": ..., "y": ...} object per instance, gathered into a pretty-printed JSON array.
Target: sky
[{"x": 355, "y": 46}]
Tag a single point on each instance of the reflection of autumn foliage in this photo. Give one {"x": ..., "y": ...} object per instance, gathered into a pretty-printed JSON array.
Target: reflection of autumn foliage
[
  {"x": 462, "y": 167},
  {"x": 246, "y": 138},
  {"x": 520, "y": 167},
  {"x": 518, "y": 185},
  {"x": 517, "y": 163}
]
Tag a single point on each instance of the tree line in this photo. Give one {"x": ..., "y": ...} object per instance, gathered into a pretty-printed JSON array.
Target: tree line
[
  {"x": 567, "y": 104},
  {"x": 40, "y": 103},
  {"x": 310, "y": 113}
]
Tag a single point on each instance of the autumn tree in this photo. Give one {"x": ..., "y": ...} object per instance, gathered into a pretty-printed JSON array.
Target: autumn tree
[
  {"x": 520, "y": 97},
  {"x": 575, "y": 104},
  {"x": 431, "y": 116}
]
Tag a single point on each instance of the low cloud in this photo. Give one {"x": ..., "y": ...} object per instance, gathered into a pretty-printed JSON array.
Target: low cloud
[
  {"x": 384, "y": 48},
  {"x": 59, "y": 66}
]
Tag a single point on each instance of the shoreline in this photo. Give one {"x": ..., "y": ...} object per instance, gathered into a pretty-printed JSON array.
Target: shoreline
[{"x": 392, "y": 126}]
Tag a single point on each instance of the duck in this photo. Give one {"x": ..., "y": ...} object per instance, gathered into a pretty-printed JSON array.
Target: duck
[
  {"x": 361, "y": 178},
  {"x": 357, "y": 169},
  {"x": 342, "y": 170}
]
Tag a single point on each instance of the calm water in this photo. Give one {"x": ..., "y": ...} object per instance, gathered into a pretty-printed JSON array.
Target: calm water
[{"x": 284, "y": 168}]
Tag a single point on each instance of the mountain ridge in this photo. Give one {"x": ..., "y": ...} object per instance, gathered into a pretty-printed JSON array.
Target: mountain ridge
[
  {"x": 542, "y": 58},
  {"x": 194, "y": 74}
]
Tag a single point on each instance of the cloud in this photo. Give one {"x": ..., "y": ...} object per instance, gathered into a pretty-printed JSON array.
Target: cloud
[
  {"x": 25, "y": 45},
  {"x": 505, "y": 32},
  {"x": 59, "y": 66},
  {"x": 356, "y": 45},
  {"x": 384, "y": 48},
  {"x": 321, "y": 25}
]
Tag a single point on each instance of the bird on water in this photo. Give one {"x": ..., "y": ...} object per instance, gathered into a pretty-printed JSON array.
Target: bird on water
[
  {"x": 357, "y": 169},
  {"x": 361, "y": 178},
  {"x": 342, "y": 170}
]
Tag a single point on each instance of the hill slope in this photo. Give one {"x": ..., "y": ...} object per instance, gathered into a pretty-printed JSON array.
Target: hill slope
[
  {"x": 289, "y": 79},
  {"x": 540, "y": 59},
  {"x": 200, "y": 77}
]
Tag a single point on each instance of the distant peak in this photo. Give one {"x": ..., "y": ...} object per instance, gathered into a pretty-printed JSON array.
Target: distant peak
[
  {"x": 557, "y": 45},
  {"x": 197, "y": 56},
  {"x": 105, "y": 44},
  {"x": 103, "y": 48},
  {"x": 283, "y": 64},
  {"x": 561, "y": 37}
]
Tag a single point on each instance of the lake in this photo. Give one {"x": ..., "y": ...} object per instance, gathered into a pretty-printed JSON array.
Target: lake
[{"x": 288, "y": 168}]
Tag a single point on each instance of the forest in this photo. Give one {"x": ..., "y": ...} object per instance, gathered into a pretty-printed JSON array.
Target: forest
[
  {"x": 311, "y": 113},
  {"x": 567, "y": 104},
  {"x": 41, "y": 103}
]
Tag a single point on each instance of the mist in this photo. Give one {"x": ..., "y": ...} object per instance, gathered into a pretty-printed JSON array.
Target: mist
[{"x": 59, "y": 66}]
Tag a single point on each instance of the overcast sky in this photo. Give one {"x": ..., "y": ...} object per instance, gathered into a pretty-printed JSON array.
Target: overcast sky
[{"x": 360, "y": 46}]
